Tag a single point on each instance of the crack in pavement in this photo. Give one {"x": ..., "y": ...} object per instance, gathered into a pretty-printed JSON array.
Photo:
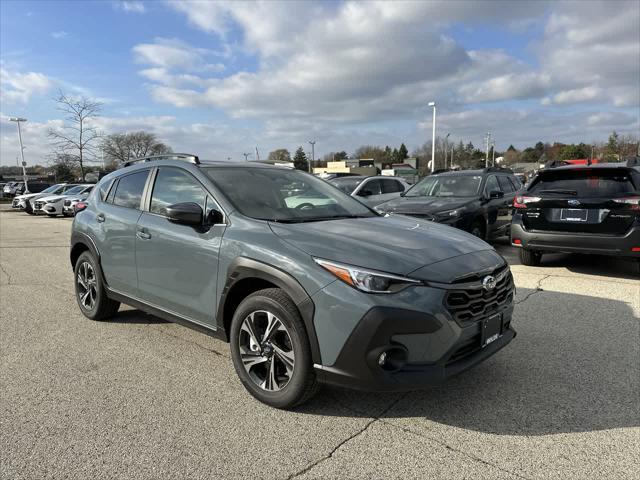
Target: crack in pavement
[
  {"x": 312, "y": 465},
  {"x": 7, "y": 274},
  {"x": 454, "y": 449},
  {"x": 537, "y": 289}
]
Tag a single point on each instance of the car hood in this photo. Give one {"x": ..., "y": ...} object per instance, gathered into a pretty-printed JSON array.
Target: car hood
[
  {"x": 394, "y": 244},
  {"x": 27, "y": 196},
  {"x": 424, "y": 204},
  {"x": 47, "y": 198}
]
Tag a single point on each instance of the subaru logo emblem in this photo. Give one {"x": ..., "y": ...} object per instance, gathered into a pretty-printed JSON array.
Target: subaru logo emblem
[
  {"x": 489, "y": 283},
  {"x": 573, "y": 203}
]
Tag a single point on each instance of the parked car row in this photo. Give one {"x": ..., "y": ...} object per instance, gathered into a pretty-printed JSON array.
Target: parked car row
[
  {"x": 593, "y": 209},
  {"x": 58, "y": 199}
]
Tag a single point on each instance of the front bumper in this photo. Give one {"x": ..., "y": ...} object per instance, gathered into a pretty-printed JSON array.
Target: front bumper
[
  {"x": 424, "y": 347},
  {"x": 615, "y": 245},
  {"x": 17, "y": 203}
]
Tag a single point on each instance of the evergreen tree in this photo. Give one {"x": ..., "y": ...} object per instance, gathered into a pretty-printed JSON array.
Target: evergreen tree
[
  {"x": 403, "y": 152},
  {"x": 300, "y": 160}
]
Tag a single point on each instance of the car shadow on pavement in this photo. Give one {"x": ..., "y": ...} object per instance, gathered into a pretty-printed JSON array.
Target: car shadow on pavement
[
  {"x": 572, "y": 368},
  {"x": 135, "y": 317}
]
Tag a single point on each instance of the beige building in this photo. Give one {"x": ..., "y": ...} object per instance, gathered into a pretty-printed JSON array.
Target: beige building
[{"x": 346, "y": 167}]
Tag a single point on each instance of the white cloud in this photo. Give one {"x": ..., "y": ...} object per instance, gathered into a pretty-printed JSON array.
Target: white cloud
[
  {"x": 18, "y": 87},
  {"x": 58, "y": 35},
  {"x": 174, "y": 54},
  {"x": 130, "y": 6}
]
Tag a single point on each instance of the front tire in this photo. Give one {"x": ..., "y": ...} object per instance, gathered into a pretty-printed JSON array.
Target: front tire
[
  {"x": 270, "y": 350},
  {"x": 90, "y": 291},
  {"x": 530, "y": 258}
]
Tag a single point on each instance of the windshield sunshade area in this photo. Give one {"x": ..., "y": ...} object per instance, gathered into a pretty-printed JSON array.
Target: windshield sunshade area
[
  {"x": 584, "y": 183},
  {"x": 288, "y": 196},
  {"x": 446, "y": 186}
]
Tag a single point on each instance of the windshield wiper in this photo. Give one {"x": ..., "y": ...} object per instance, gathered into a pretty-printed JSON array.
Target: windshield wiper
[{"x": 561, "y": 192}]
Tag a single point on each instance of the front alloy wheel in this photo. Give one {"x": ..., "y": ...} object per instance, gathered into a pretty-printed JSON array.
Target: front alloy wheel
[
  {"x": 266, "y": 350},
  {"x": 87, "y": 286}
]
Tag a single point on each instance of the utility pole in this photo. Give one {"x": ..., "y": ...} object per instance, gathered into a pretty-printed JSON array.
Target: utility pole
[
  {"x": 24, "y": 164},
  {"x": 451, "y": 161},
  {"x": 486, "y": 155},
  {"x": 246, "y": 156},
  {"x": 493, "y": 152},
  {"x": 433, "y": 138},
  {"x": 446, "y": 148},
  {"x": 313, "y": 154}
]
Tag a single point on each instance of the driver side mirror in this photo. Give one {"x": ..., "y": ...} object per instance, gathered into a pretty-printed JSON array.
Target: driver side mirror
[
  {"x": 186, "y": 213},
  {"x": 496, "y": 194}
]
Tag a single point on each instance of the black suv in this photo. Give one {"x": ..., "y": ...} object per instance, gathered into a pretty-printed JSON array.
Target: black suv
[
  {"x": 477, "y": 201},
  {"x": 579, "y": 209}
]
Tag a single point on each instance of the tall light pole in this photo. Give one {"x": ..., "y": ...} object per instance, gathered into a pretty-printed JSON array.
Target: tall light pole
[
  {"x": 493, "y": 152},
  {"x": 24, "y": 164},
  {"x": 246, "y": 156},
  {"x": 313, "y": 153},
  {"x": 433, "y": 138}
]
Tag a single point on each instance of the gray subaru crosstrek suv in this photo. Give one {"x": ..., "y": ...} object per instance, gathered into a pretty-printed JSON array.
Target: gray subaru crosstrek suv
[{"x": 306, "y": 293}]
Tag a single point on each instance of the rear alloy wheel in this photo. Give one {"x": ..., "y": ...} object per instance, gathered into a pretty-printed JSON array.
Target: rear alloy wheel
[
  {"x": 270, "y": 349},
  {"x": 530, "y": 258},
  {"x": 90, "y": 292}
]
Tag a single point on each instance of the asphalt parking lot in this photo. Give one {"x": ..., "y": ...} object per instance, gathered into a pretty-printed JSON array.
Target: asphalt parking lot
[{"x": 136, "y": 397}]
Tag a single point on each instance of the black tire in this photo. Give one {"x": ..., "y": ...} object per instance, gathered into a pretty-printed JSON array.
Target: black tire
[
  {"x": 102, "y": 307},
  {"x": 52, "y": 215},
  {"x": 478, "y": 229},
  {"x": 530, "y": 258},
  {"x": 301, "y": 385},
  {"x": 28, "y": 208}
]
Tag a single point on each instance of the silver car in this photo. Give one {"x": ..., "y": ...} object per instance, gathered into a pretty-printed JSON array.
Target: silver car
[{"x": 371, "y": 191}]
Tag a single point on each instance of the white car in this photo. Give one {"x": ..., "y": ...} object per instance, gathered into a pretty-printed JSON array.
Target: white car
[
  {"x": 371, "y": 191},
  {"x": 21, "y": 201},
  {"x": 53, "y": 205},
  {"x": 70, "y": 201}
]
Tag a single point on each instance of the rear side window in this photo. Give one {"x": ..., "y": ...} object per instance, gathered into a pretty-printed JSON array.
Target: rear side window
[
  {"x": 505, "y": 185},
  {"x": 104, "y": 189},
  {"x": 491, "y": 185},
  {"x": 129, "y": 190},
  {"x": 374, "y": 187},
  {"x": 391, "y": 186},
  {"x": 584, "y": 183},
  {"x": 175, "y": 186}
]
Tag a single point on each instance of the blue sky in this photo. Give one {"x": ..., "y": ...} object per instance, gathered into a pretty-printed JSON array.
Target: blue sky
[{"x": 219, "y": 79}]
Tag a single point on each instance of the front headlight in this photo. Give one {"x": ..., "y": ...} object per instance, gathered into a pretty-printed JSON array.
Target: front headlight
[
  {"x": 368, "y": 281},
  {"x": 54, "y": 200},
  {"x": 450, "y": 213}
]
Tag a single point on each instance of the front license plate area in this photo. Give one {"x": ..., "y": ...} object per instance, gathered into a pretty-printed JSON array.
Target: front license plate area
[
  {"x": 491, "y": 329},
  {"x": 573, "y": 215}
]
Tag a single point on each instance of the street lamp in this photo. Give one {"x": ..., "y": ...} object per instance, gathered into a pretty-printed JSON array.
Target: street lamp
[
  {"x": 246, "y": 156},
  {"x": 433, "y": 138},
  {"x": 313, "y": 153},
  {"x": 24, "y": 164}
]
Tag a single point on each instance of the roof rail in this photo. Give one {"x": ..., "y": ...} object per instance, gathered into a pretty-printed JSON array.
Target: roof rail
[
  {"x": 498, "y": 169},
  {"x": 167, "y": 156}
]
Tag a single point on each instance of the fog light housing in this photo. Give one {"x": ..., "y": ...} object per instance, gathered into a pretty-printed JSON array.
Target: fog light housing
[{"x": 392, "y": 359}]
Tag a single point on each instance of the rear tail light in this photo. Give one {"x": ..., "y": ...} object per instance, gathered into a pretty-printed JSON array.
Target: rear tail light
[
  {"x": 635, "y": 249},
  {"x": 632, "y": 202},
  {"x": 516, "y": 241},
  {"x": 521, "y": 201},
  {"x": 80, "y": 206}
]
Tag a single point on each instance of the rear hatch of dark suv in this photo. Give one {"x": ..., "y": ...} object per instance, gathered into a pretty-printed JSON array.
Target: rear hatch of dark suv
[{"x": 591, "y": 200}]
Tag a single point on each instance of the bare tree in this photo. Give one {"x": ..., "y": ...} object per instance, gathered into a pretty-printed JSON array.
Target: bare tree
[
  {"x": 121, "y": 147},
  {"x": 78, "y": 137}
]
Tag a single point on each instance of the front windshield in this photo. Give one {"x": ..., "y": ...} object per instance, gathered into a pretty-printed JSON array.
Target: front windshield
[
  {"x": 346, "y": 184},
  {"x": 446, "y": 186},
  {"x": 74, "y": 190},
  {"x": 283, "y": 195},
  {"x": 51, "y": 189}
]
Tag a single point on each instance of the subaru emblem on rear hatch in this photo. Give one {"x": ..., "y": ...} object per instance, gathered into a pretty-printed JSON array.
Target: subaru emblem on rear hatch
[
  {"x": 489, "y": 283},
  {"x": 573, "y": 203}
]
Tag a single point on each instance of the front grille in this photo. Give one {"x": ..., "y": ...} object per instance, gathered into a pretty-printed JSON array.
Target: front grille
[
  {"x": 15, "y": 202},
  {"x": 472, "y": 304},
  {"x": 67, "y": 203},
  {"x": 38, "y": 205}
]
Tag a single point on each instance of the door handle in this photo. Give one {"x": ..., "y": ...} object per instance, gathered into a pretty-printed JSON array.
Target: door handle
[
  {"x": 100, "y": 217},
  {"x": 142, "y": 235}
]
